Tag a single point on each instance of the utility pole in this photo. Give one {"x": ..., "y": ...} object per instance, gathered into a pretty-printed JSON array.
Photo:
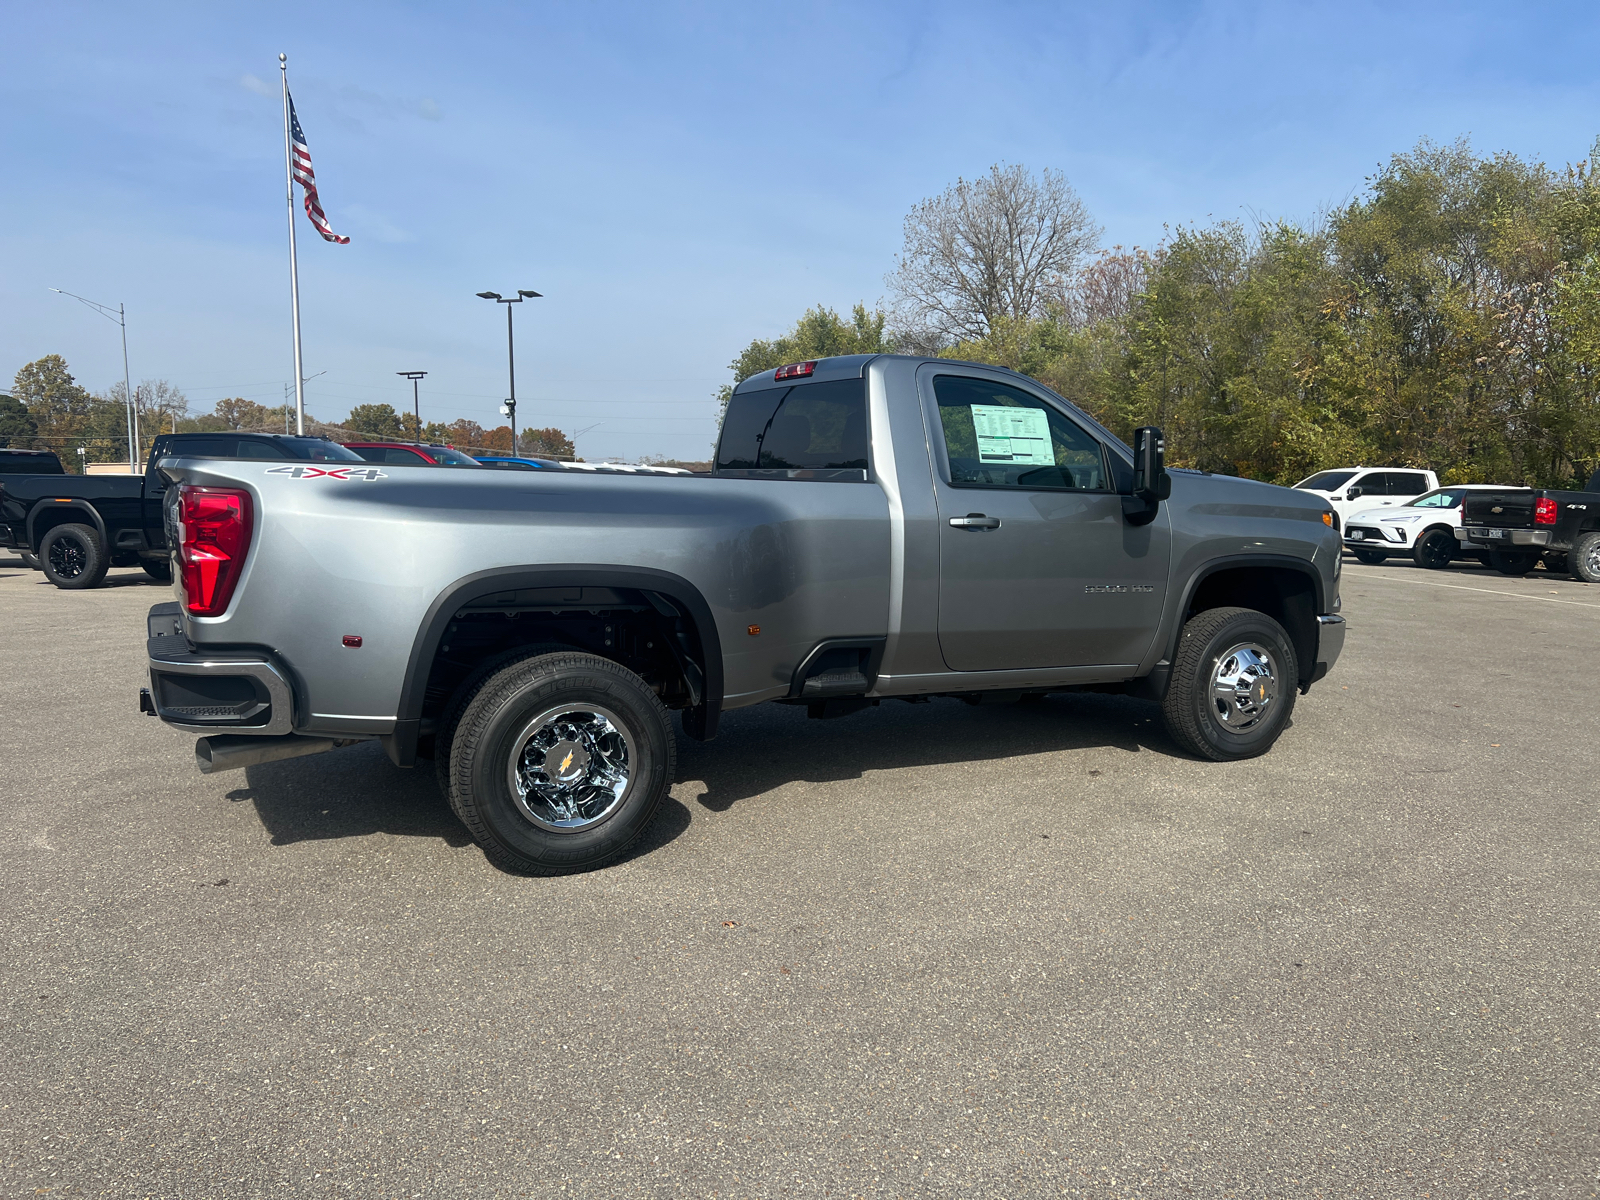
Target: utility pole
[
  {"x": 416, "y": 404},
  {"x": 509, "y": 408},
  {"x": 105, "y": 310}
]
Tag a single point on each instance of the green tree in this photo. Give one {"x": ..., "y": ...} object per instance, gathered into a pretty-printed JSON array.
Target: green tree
[
  {"x": 375, "y": 420},
  {"x": 546, "y": 443},
  {"x": 17, "y": 426}
]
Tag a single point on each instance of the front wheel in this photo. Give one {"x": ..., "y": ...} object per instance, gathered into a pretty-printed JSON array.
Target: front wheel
[
  {"x": 1434, "y": 549},
  {"x": 559, "y": 763},
  {"x": 1583, "y": 560},
  {"x": 1509, "y": 562},
  {"x": 1371, "y": 557},
  {"x": 32, "y": 560},
  {"x": 72, "y": 557},
  {"x": 1233, "y": 684}
]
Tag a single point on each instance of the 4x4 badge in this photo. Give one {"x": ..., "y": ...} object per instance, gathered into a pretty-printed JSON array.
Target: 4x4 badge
[{"x": 367, "y": 473}]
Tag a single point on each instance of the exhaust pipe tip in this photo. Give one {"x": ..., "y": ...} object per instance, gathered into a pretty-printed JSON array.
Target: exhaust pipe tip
[{"x": 230, "y": 752}]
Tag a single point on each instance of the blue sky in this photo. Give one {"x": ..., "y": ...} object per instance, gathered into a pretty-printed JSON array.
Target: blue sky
[{"x": 676, "y": 179}]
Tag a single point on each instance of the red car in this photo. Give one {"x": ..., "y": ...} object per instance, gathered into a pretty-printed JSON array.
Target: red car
[{"x": 414, "y": 454}]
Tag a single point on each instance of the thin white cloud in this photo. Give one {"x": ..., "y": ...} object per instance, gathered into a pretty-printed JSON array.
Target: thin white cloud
[
  {"x": 428, "y": 110},
  {"x": 260, "y": 87}
]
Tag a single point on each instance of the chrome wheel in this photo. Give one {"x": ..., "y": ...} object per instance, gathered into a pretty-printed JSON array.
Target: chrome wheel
[
  {"x": 1243, "y": 687},
  {"x": 1591, "y": 559},
  {"x": 570, "y": 767},
  {"x": 68, "y": 557}
]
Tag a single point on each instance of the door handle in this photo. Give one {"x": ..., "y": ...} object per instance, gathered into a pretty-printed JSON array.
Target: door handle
[{"x": 975, "y": 521}]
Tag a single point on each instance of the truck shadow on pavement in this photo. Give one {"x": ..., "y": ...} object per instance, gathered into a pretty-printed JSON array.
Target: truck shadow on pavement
[
  {"x": 357, "y": 792},
  {"x": 768, "y": 745}
]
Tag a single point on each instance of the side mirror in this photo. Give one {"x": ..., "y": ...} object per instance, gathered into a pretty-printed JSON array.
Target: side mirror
[
  {"x": 1151, "y": 483},
  {"x": 1353, "y": 493}
]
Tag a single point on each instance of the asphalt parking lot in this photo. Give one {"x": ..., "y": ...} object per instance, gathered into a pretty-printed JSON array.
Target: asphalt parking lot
[{"x": 927, "y": 950}]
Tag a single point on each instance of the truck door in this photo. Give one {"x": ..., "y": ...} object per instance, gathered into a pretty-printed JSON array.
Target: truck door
[{"x": 1037, "y": 566}]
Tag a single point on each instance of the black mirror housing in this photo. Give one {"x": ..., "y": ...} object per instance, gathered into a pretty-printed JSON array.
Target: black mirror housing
[{"x": 1151, "y": 483}]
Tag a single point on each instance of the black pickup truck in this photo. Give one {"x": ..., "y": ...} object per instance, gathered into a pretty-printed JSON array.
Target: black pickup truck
[
  {"x": 1518, "y": 529},
  {"x": 77, "y": 526}
]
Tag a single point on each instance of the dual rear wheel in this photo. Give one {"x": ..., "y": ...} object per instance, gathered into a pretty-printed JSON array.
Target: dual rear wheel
[{"x": 556, "y": 762}]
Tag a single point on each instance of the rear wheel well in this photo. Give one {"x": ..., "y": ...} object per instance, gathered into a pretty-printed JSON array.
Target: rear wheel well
[
  {"x": 641, "y": 630},
  {"x": 1286, "y": 595},
  {"x": 66, "y": 514}
]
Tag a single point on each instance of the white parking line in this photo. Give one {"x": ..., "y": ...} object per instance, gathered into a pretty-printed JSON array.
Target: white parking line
[{"x": 1461, "y": 587}]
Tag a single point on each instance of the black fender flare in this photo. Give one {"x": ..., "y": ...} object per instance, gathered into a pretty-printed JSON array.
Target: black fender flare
[
  {"x": 1233, "y": 562},
  {"x": 402, "y": 744},
  {"x": 54, "y": 506}
]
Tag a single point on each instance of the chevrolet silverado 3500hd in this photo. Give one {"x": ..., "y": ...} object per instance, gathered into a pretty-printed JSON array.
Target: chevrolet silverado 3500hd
[{"x": 875, "y": 527}]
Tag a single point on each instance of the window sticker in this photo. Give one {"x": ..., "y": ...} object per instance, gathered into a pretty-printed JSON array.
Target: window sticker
[{"x": 1012, "y": 435}]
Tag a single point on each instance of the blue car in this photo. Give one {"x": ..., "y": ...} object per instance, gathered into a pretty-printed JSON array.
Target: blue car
[{"x": 522, "y": 464}]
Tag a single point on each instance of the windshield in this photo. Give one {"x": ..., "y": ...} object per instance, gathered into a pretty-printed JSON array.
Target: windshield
[
  {"x": 447, "y": 457},
  {"x": 1326, "y": 481},
  {"x": 1443, "y": 498}
]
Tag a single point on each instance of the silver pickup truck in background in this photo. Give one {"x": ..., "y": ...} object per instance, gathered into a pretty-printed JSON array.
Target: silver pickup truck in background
[{"x": 875, "y": 528}]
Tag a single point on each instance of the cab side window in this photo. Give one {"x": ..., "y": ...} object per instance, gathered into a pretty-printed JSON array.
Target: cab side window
[
  {"x": 1407, "y": 483},
  {"x": 1001, "y": 436}
]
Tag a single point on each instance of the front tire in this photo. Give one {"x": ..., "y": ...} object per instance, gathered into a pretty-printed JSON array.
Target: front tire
[
  {"x": 1509, "y": 562},
  {"x": 1371, "y": 557},
  {"x": 72, "y": 557},
  {"x": 559, "y": 762},
  {"x": 32, "y": 560},
  {"x": 1583, "y": 560},
  {"x": 1233, "y": 684},
  {"x": 1434, "y": 549}
]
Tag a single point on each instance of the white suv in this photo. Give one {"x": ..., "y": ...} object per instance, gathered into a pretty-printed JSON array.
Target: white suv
[
  {"x": 1424, "y": 529},
  {"x": 1352, "y": 489}
]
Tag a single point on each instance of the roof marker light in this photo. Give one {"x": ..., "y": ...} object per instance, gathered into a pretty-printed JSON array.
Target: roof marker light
[{"x": 794, "y": 370}]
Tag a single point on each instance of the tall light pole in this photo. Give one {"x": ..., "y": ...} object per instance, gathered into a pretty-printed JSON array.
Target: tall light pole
[
  {"x": 121, "y": 318},
  {"x": 416, "y": 404},
  {"x": 510, "y": 406}
]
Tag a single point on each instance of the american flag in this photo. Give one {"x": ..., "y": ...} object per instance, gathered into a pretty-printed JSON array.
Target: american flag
[{"x": 307, "y": 179}]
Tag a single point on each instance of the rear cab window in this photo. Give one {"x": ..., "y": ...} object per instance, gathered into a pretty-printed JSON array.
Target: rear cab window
[{"x": 806, "y": 431}]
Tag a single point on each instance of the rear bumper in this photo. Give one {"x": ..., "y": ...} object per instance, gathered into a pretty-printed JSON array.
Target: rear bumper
[
  {"x": 1478, "y": 535},
  {"x": 1330, "y": 643},
  {"x": 210, "y": 692}
]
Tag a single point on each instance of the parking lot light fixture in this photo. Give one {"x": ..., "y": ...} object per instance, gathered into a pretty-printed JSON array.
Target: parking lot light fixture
[
  {"x": 416, "y": 404},
  {"x": 510, "y": 407}
]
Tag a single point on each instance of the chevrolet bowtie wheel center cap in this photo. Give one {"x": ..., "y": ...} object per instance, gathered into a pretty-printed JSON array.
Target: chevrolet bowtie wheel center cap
[
  {"x": 570, "y": 767},
  {"x": 1243, "y": 687},
  {"x": 566, "y": 762}
]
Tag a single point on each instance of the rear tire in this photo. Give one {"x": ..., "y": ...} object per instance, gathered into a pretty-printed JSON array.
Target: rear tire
[
  {"x": 1434, "y": 549},
  {"x": 1583, "y": 560},
  {"x": 1371, "y": 557},
  {"x": 1233, "y": 684},
  {"x": 1509, "y": 562},
  {"x": 539, "y": 717},
  {"x": 159, "y": 569},
  {"x": 72, "y": 557}
]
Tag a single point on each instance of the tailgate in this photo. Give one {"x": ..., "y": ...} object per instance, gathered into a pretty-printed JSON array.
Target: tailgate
[{"x": 1506, "y": 510}]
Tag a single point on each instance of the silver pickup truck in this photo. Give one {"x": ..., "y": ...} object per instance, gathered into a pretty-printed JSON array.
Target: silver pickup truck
[{"x": 875, "y": 528}]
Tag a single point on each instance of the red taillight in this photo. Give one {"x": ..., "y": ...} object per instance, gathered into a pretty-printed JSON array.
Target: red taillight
[
  {"x": 794, "y": 370},
  {"x": 1544, "y": 511},
  {"x": 216, "y": 536}
]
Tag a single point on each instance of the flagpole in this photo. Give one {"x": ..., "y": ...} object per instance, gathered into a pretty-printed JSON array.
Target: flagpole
[{"x": 294, "y": 266}]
